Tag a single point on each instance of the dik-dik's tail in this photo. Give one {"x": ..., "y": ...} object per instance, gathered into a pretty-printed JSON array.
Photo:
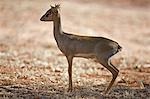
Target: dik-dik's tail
[{"x": 119, "y": 48}]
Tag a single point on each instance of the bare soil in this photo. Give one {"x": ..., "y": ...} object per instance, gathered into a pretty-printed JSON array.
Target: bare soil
[{"x": 32, "y": 67}]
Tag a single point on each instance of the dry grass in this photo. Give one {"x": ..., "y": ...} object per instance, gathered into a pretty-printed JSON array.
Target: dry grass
[{"x": 31, "y": 66}]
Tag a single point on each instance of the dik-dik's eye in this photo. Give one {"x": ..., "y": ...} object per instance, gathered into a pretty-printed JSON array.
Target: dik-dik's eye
[{"x": 47, "y": 15}]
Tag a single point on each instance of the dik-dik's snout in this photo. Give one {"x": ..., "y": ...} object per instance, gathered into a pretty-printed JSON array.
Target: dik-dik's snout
[
  {"x": 46, "y": 18},
  {"x": 42, "y": 18}
]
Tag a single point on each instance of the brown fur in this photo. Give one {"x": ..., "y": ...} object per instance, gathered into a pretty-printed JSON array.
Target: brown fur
[{"x": 98, "y": 48}]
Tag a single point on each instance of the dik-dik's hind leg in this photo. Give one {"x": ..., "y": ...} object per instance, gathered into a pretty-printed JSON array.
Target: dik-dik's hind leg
[
  {"x": 107, "y": 64},
  {"x": 69, "y": 59}
]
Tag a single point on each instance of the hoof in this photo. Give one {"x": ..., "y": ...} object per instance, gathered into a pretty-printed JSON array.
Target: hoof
[
  {"x": 104, "y": 93},
  {"x": 69, "y": 90}
]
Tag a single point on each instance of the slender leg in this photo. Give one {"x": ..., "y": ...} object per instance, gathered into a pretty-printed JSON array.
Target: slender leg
[
  {"x": 107, "y": 64},
  {"x": 69, "y": 59}
]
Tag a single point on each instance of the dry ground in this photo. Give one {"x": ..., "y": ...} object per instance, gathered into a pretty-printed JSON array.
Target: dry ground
[{"x": 32, "y": 67}]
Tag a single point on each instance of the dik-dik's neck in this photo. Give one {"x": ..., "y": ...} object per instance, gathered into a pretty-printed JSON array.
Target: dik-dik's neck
[
  {"x": 57, "y": 26},
  {"x": 58, "y": 33}
]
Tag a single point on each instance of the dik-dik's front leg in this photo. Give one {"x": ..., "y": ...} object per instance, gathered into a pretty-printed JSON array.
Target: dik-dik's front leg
[{"x": 69, "y": 59}]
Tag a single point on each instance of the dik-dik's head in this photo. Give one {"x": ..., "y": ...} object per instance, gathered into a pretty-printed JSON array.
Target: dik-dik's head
[{"x": 51, "y": 14}]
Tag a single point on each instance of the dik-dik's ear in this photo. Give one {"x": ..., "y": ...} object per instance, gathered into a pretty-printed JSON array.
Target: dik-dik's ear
[
  {"x": 55, "y": 9},
  {"x": 57, "y": 6},
  {"x": 52, "y": 6}
]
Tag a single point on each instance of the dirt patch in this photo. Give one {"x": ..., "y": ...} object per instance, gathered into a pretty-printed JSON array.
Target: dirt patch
[{"x": 31, "y": 66}]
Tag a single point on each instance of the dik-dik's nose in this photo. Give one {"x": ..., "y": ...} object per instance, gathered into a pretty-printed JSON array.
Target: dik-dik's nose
[{"x": 42, "y": 19}]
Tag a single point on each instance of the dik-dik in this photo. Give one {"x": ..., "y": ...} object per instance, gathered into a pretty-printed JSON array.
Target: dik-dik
[{"x": 98, "y": 48}]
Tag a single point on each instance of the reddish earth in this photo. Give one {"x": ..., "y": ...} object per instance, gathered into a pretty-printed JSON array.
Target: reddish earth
[{"x": 31, "y": 65}]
